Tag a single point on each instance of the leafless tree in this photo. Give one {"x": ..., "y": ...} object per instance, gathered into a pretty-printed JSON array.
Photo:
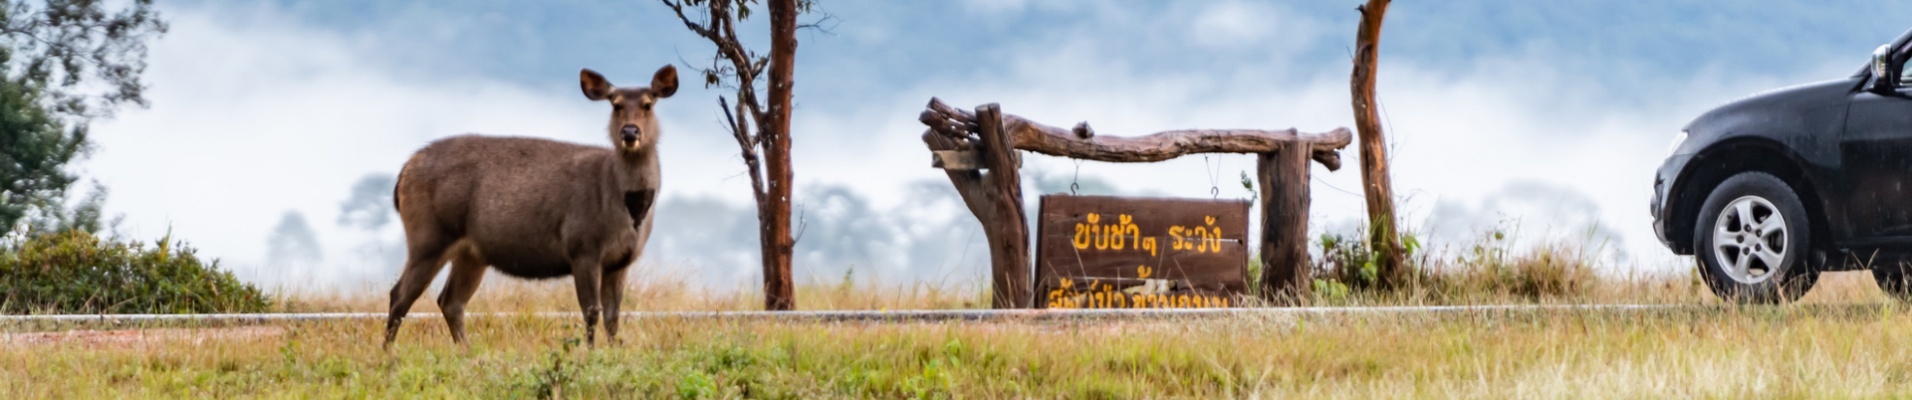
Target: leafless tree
[
  {"x": 1382, "y": 235},
  {"x": 766, "y": 148}
]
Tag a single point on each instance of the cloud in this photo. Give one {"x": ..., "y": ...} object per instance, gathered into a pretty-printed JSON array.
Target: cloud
[
  {"x": 261, "y": 108},
  {"x": 1049, "y": 180},
  {"x": 1534, "y": 212},
  {"x": 991, "y": 7},
  {"x": 929, "y": 238},
  {"x": 700, "y": 237},
  {"x": 254, "y": 116},
  {"x": 293, "y": 247},
  {"x": 370, "y": 205},
  {"x": 256, "y": 113},
  {"x": 1225, "y": 25},
  {"x": 1486, "y": 130},
  {"x": 369, "y": 210}
]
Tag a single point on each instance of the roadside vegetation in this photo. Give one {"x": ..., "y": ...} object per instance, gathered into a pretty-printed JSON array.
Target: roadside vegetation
[
  {"x": 1837, "y": 343},
  {"x": 1834, "y": 342},
  {"x": 1489, "y": 268},
  {"x": 75, "y": 272},
  {"x": 67, "y": 64}
]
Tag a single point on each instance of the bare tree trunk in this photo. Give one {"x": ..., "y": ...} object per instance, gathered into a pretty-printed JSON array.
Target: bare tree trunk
[
  {"x": 1382, "y": 236},
  {"x": 779, "y": 285},
  {"x": 772, "y": 186}
]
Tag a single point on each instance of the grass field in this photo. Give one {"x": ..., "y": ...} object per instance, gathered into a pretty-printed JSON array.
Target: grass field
[{"x": 1843, "y": 340}]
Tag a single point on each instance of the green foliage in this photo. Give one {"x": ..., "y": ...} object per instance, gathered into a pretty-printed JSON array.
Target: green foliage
[
  {"x": 77, "y": 272},
  {"x": 1349, "y": 261},
  {"x": 34, "y": 150},
  {"x": 742, "y": 7},
  {"x": 550, "y": 382},
  {"x": 733, "y": 64},
  {"x": 1248, "y": 184},
  {"x": 696, "y": 385},
  {"x": 1331, "y": 290},
  {"x": 62, "y": 64},
  {"x": 85, "y": 57}
]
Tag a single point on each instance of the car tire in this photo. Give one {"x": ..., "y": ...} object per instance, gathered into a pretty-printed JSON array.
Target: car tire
[{"x": 1753, "y": 240}]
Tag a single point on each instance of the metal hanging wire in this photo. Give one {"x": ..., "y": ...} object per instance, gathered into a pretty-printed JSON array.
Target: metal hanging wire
[
  {"x": 1075, "y": 178},
  {"x": 1214, "y": 184}
]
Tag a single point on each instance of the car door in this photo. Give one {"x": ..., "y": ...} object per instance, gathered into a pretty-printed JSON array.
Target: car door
[{"x": 1876, "y": 152}]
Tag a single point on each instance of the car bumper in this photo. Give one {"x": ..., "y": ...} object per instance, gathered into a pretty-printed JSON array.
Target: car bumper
[{"x": 1660, "y": 205}]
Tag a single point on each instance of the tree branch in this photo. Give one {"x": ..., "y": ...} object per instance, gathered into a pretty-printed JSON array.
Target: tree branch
[
  {"x": 959, "y": 126},
  {"x": 747, "y": 144}
]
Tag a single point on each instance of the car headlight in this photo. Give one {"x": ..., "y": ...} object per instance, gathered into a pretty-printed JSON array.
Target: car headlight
[{"x": 1675, "y": 146}]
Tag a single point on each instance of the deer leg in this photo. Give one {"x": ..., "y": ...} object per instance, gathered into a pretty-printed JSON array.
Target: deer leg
[
  {"x": 586, "y": 273},
  {"x": 611, "y": 296},
  {"x": 420, "y": 268},
  {"x": 466, "y": 273}
]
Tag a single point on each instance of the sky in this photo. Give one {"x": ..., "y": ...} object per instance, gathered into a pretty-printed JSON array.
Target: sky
[{"x": 275, "y": 127}]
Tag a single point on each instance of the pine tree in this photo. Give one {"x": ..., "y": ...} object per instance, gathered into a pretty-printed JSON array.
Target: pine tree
[{"x": 63, "y": 64}]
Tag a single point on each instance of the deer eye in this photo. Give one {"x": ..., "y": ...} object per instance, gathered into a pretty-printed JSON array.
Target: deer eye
[
  {"x": 646, "y": 106},
  {"x": 617, "y": 107}
]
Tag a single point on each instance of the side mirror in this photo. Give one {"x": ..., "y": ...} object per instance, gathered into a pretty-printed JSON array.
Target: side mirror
[{"x": 1883, "y": 78}]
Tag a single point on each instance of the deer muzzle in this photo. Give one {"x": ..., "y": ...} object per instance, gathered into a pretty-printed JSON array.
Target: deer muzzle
[{"x": 630, "y": 135}]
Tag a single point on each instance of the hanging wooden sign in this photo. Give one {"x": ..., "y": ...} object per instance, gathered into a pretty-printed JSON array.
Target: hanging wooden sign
[{"x": 1120, "y": 252}]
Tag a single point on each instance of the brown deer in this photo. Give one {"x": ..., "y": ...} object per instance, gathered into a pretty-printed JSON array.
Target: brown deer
[{"x": 533, "y": 208}]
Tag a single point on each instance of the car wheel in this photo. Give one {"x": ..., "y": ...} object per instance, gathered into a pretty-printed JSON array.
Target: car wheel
[{"x": 1753, "y": 239}]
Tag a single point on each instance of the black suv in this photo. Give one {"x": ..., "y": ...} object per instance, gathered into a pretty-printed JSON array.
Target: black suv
[{"x": 1770, "y": 190}]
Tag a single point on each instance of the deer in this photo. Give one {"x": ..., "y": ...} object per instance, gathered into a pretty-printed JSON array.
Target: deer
[{"x": 533, "y": 209}]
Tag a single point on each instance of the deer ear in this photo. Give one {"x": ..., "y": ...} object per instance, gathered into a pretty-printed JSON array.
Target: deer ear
[
  {"x": 664, "y": 83},
  {"x": 594, "y": 85}
]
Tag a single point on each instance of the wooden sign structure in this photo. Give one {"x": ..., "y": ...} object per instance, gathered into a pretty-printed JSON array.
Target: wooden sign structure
[
  {"x": 965, "y": 144},
  {"x": 1115, "y": 252}
]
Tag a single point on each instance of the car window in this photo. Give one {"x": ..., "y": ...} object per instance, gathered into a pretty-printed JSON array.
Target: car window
[{"x": 1905, "y": 75}]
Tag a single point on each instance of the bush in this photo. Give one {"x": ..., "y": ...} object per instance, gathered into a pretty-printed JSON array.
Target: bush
[
  {"x": 1490, "y": 267},
  {"x": 1347, "y": 260},
  {"x": 1547, "y": 270},
  {"x": 77, "y": 272}
]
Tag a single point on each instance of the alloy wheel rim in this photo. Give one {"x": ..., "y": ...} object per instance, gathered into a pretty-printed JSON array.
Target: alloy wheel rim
[{"x": 1749, "y": 239}]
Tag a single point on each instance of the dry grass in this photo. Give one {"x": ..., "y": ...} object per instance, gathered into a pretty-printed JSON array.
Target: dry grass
[
  {"x": 1801, "y": 351},
  {"x": 648, "y": 290},
  {"x": 1842, "y": 342}
]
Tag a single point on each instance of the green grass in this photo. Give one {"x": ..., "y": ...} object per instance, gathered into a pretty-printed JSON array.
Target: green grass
[
  {"x": 1845, "y": 341},
  {"x": 1802, "y": 351}
]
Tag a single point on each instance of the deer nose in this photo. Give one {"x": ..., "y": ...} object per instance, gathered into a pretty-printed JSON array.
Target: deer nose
[{"x": 630, "y": 134}]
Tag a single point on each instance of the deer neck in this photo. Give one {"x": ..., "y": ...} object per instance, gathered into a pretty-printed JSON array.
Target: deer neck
[{"x": 635, "y": 170}]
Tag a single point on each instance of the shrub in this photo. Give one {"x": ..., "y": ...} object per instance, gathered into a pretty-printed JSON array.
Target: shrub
[
  {"x": 1346, "y": 259},
  {"x": 1490, "y": 267},
  {"x": 1546, "y": 270},
  {"x": 77, "y": 272}
]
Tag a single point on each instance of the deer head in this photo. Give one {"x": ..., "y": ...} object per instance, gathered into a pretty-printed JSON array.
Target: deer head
[{"x": 633, "y": 125}]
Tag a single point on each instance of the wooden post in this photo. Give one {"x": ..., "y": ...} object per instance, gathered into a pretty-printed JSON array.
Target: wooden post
[
  {"x": 1008, "y": 233},
  {"x": 1285, "y": 269},
  {"x": 964, "y": 144},
  {"x": 1382, "y": 236}
]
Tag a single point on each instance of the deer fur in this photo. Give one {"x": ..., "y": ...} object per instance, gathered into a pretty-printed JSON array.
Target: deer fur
[{"x": 533, "y": 208}]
